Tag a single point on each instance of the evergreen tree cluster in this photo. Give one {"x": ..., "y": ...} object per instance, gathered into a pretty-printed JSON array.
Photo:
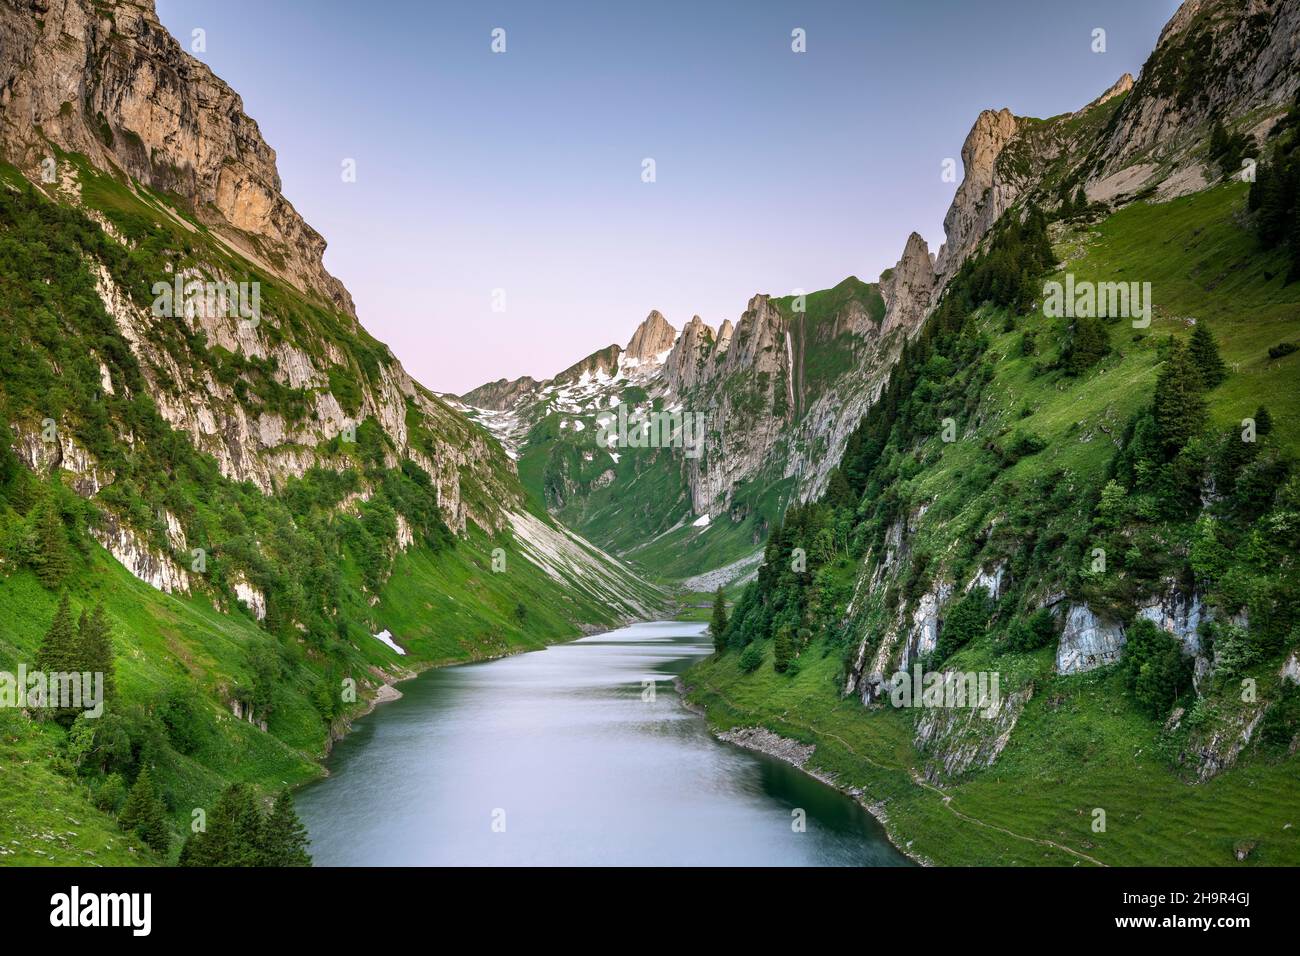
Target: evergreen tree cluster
[
  {"x": 1227, "y": 150},
  {"x": 1275, "y": 193},
  {"x": 85, "y": 647},
  {"x": 238, "y": 832},
  {"x": 145, "y": 815}
]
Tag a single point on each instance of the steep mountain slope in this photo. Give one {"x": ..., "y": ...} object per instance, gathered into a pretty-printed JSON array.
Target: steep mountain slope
[
  {"x": 776, "y": 396},
  {"x": 199, "y": 434},
  {"x": 1082, "y": 504}
]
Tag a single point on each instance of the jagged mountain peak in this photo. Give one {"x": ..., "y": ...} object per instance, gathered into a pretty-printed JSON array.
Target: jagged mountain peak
[
  {"x": 686, "y": 363},
  {"x": 1118, "y": 88},
  {"x": 977, "y": 203},
  {"x": 909, "y": 288},
  {"x": 652, "y": 338}
]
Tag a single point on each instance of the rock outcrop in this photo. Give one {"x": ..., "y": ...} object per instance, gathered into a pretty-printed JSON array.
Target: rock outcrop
[
  {"x": 113, "y": 84},
  {"x": 687, "y": 363},
  {"x": 1214, "y": 59},
  {"x": 909, "y": 288},
  {"x": 501, "y": 394},
  {"x": 1087, "y": 641},
  {"x": 651, "y": 340},
  {"x": 984, "y": 194}
]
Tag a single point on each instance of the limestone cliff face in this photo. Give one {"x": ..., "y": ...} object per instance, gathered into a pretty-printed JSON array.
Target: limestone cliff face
[
  {"x": 1214, "y": 58},
  {"x": 687, "y": 363},
  {"x": 651, "y": 339},
  {"x": 983, "y": 195},
  {"x": 746, "y": 420},
  {"x": 909, "y": 290},
  {"x": 109, "y": 81},
  {"x": 725, "y": 332}
]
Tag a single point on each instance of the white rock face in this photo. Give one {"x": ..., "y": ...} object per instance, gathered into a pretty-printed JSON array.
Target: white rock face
[
  {"x": 151, "y": 567},
  {"x": 1087, "y": 642},
  {"x": 44, "y": 457},
  {"x": 252, "y": 598},
  {"x": 1173, "y": 612},
  {"x": 404, "y": 536},
  {"x": 955, "y": 739},
  {"x": 990, "y": 579},
  {"x": 1291, "y": 668},
  {"x": 924, "y": 634}
]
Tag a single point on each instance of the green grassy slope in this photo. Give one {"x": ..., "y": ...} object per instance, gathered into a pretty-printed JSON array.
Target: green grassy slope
[
  {"x": 1082, "y": 742},
  {"x": 322, "y": 549}
]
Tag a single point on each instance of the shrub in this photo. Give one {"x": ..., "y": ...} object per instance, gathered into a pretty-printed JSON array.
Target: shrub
[
  {"x": 1154, "y": 668},
  {"x": 1281, "y": 349},
  {"x": 751, "y": 658},
  {"x": 1029, "y": 634}
]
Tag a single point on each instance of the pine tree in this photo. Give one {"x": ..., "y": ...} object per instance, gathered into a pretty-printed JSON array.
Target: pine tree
[
  {"x": 1089, "y": 343},
  {"x": 1294, "y": 275},
  {"x": 96, "y": 649},
  {"x": 1263, "y": 421},
  {"x": 145, "y": 815},
  {"x": 718, "y": 626},
  {"x": 49, "y": 554},
  {"x": 234, "y": 835},
  {"x": 285, "y": 838},
  {"x": 783, "y": 648},
  {"x": 1204, "y": 353},
  {"x": 1179, "y": 406},
  {"x": 59, "y": 645}
]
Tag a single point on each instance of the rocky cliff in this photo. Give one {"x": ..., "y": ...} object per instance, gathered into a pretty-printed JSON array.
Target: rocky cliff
[{"x": 108, "y": 81}]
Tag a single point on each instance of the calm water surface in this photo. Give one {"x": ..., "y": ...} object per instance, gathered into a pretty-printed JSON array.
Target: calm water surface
[{"x": 562, "y": 749}]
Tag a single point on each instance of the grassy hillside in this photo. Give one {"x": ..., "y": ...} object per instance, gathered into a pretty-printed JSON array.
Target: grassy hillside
[
  {"x": 1045, "y": 421},
  {"x": 274, "y": 614}
]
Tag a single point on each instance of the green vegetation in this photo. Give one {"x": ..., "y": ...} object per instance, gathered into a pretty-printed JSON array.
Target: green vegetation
[
  {"x": 982, "y": 453},
  {"x": 240, "y": 833},
  {"x": 202, "y": 692}
]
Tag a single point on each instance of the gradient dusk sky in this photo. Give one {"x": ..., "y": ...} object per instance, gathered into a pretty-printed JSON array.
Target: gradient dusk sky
[{"x": 521, "y": 171}]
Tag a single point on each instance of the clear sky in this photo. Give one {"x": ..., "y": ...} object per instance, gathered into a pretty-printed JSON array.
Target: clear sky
[{"x": 522, "y": 170}]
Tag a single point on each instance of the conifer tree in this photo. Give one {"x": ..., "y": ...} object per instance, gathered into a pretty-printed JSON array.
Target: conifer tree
[
  {"x": 145, "y": 815},
  {"x": 718, "y": 626},
  {"x": 234, "y": 835},
  {"x": 783, "y": 648},
  {"x": 285, "y": 838},
  {"x": 49, "y": 554},
  {"x": 95, "y": 653},
  {"x": 1263, "y": 421},
  {"x": 1179, "y": 407},
  {"x": 59, "y": 645},
  {"x": 1205, "y": 356}
]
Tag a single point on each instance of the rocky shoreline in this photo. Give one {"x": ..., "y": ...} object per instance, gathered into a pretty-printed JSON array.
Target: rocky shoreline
[{"x": 797, "y": 754}]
